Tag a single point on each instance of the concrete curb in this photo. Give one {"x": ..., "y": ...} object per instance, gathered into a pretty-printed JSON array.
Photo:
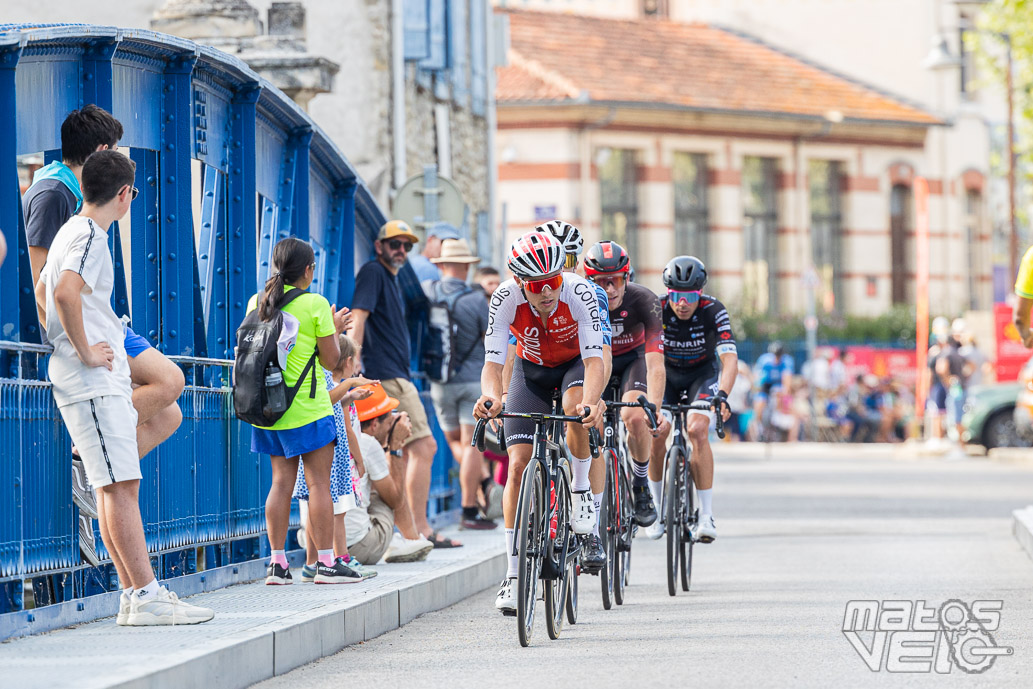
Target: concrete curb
[
  {"x": 1023, "y": 528},
  {"x": 259, "y": 632},
  {"x": 289, "y": 643}
]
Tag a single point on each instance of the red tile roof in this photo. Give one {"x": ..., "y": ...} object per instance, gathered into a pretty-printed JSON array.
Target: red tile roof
[{"x": 556, "y": 57}]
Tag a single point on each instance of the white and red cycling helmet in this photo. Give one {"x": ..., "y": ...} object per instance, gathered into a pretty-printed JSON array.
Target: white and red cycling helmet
[{"x": 535, "y": 255}]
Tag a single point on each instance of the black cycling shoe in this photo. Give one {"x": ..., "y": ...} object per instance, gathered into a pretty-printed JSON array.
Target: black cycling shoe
[
  {"x": 645, "y": 512},
  {"x": 593, "y": 557}
]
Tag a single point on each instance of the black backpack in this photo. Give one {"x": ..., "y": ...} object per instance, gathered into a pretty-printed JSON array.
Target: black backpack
[
  {"x": 256, "y": 400},
  {"x": 440, "y": 358}
]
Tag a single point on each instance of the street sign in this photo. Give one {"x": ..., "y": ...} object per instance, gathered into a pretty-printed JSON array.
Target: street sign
[
  {"x": 544, "y": 213},
  {"x": 409, "y": 203}
]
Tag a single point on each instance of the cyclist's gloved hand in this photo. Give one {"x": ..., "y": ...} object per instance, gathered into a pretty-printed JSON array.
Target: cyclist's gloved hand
[
  {"x": 481, "y": 411},
  {"x": 594, "y": 412},
  {"x": 720, "y": 404}
]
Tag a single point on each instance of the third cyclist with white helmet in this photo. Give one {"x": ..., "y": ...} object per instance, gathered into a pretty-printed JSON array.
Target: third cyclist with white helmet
[{"x": 702, "y": 361}]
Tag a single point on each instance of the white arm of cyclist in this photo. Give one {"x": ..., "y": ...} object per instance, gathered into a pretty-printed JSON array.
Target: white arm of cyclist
[
  {"x": 595, "y": 355},
  {"x": 501, "y": 311},
  {"x": 729, "y": 370}
]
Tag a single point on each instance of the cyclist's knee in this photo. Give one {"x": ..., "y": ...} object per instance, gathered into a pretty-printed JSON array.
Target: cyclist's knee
[{"x": 698, "y": 428}]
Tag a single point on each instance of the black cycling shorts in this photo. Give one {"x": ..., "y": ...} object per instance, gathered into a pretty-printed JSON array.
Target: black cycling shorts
[
  {"x": 530, "y": 392},
  {"x": 630, "y": 369},
  {"x": 700, "y": 384}
]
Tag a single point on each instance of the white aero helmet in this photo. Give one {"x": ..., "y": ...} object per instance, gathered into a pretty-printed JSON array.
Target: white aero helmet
[
  {"x": 568, "y": 235},
  {"x": 535, "y": 255}
]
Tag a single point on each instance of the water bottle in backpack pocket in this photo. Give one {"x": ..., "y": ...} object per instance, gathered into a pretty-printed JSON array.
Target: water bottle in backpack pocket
[{"x": 260, "y": 393}]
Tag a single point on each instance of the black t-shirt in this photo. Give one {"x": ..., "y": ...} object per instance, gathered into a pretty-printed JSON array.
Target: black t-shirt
[
  {"x": 699, "y": 340},
  {"x": 385, "y": 343},
  {"x": 48, "y": 204}
]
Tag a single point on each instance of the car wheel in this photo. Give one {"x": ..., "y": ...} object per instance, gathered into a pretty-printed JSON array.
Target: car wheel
[{"x": 1000, "y": 431}]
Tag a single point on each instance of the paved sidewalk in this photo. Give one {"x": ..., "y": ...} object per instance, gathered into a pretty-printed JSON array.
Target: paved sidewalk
[{"x": 258, "y": 631}]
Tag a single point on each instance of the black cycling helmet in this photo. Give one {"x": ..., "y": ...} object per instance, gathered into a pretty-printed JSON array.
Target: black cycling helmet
[
  {"x": 776, "y": 348},
  {"x": 605, "y": 258},
  {"x": 685, "y": 273}
]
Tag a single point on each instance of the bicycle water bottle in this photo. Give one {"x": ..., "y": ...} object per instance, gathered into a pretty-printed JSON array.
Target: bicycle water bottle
[
  {"x": 552, "y": 511},
  {"x": 275, "y": 390}
]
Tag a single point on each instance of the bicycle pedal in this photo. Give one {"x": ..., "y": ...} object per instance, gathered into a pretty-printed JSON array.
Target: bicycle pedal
[{"x": 509, "y": 613}]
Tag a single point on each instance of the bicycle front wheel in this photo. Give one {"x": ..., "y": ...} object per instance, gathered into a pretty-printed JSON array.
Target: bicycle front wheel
[
  {"x": 691, "y": 517},
  {"x": 673, "y": 514},
  {"x": 622, "y": 534},
  {"x": 558, "y": 546},
  {"x": 531, "y": 511},
  {"x": 607, "y": 518}
]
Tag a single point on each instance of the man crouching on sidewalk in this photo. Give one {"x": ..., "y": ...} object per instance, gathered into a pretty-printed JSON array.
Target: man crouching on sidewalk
[{"x": 90, "y": 375}]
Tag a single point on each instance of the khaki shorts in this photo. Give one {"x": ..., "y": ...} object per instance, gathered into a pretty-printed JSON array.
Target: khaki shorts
[
  {"x": 374, "y": 544},
  {"x": 409, "y": 401}
]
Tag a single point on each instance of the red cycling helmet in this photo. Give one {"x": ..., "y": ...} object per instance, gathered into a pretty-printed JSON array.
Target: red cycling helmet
[{"x": 606, "y": 258}]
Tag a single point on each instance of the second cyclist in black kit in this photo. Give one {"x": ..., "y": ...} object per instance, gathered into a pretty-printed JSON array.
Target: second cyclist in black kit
[{"x": 702, "y": 361}]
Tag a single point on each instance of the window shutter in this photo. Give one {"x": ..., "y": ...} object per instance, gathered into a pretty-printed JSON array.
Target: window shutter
[
  {"x": 478, "y": 56},
  {"x": 437, "y": 56},
  {"x": 459, "y": 28},
  {"x": 416, "y": 29}
]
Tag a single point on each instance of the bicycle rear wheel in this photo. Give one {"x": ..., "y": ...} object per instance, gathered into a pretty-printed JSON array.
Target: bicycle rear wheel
[
  {"x": 607, "y": 518},
  {"x": 556, "y": 590},
  {"x": 691, "y": 517},
  {"x": 572, "y": 577},
  {"x": 673, "y": 514},
  {"x": 531, "y": 511}
]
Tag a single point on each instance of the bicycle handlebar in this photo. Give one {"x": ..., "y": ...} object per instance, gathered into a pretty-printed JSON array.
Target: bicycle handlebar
[
  {"x": 594, "y": 440},
  {"x": 641, "y": 403},
  {"x": 719, "y": 417}
]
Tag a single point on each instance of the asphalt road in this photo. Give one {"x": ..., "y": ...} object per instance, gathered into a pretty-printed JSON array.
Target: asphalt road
[{"x": 799, "y": 537}]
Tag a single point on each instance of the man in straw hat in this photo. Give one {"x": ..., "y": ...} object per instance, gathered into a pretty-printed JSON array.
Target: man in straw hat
[{"x": 454, "y": 399}]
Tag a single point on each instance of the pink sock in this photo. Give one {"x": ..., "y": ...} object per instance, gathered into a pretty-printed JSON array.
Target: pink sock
[
  {"x": 279, "y": 558},
  {"x": 326, "y": 557},
  {"x": 346, "y": 557}
]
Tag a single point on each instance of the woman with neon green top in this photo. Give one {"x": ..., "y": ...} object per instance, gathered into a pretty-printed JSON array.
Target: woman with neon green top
[
  {"x": 306, "y": 431},
  {"x": 1024, "y": 291}
]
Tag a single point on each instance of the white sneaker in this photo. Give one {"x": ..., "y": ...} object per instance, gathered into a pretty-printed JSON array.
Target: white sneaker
[
  {"x": 164, "y": 607},
  {"x": 705, "y": 531},
  {"x": 406, "y": 550},
  {"x": 125, "y": 602},
  {"x": 655, "y": 531},
  {"x": 505, "y": 601},
  {"x": 583, "y": 520}
]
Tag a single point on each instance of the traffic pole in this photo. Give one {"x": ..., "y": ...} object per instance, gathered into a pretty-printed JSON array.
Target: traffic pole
[{"x": 921, "y": 294}]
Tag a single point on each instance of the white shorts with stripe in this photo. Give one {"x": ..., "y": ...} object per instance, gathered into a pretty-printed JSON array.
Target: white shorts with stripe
[{"x": 103, "y": 430}]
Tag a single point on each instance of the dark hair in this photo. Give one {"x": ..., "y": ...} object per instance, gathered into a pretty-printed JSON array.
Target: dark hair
[
  {"x": 485, "y": 270},
  {"x": 291, "y": 257},
  {"x": 104, "y": 174},
  {"x": 84, "y": 130}
]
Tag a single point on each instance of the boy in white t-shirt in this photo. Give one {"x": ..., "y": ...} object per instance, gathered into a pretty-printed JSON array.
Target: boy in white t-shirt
[{"x": 90, "y": 376}]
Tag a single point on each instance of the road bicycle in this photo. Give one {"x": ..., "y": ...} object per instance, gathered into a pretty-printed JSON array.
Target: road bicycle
[
  {"x": 616, "y": 513},
  {"x": 544, "y": 542},
  {"x": 680, "y": 510}
]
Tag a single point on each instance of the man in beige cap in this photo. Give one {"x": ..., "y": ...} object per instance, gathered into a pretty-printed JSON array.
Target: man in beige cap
[
  {"x": 455, "y": 396},
  {"x": 380, "y": 325}
]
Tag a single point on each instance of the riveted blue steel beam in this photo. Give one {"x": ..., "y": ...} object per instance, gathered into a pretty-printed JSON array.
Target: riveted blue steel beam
[
  {"x": 332, "y": 252},
  {"x": 346, "y": 288},
  {"x": 96, "y": 73},
  {"x": 207, "y": 245},
  {"x": 12, "y": 270},
  {"x": 300, "y": 142},
  {"x": 267, "y": 238},
  {"x": 243, "y": 242},
  {"x": 176, "y": 227},
  {"x": 146, "y": 247}
]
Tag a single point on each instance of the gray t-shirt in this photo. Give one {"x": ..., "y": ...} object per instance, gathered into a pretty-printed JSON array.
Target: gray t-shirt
[
  {"x": 48, "y": 204},
  {"x": 471, "y": 315}
]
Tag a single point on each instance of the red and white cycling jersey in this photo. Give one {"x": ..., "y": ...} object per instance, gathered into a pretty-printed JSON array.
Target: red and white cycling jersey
[{"x": 572, "y": 329}]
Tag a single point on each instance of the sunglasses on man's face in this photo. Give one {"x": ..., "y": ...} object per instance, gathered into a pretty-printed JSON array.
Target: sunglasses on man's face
[
  {"x": 396, "y": 244},
  {"x": 538, "y": 286},
  {"x": 689, "y": 297},
  {"x": 605, "y": 281}
]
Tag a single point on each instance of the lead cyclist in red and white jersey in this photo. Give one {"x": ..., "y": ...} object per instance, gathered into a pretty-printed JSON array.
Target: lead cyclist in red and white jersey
[{"x": 556, "y": 319}]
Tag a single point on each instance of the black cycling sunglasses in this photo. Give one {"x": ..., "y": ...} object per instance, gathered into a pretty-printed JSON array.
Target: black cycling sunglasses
[{"x": 397, "y": 244}]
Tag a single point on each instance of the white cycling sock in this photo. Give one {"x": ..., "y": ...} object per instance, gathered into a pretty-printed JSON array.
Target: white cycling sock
[
  {"x": 580, "y": 469},
  {"x": 704, "y": 501},
  {"x": 656, "y": 489},
  {"x": 147, "y": 592},
  {"x": 597, "y": 500},
  {"x": 514, "y": 560}
]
